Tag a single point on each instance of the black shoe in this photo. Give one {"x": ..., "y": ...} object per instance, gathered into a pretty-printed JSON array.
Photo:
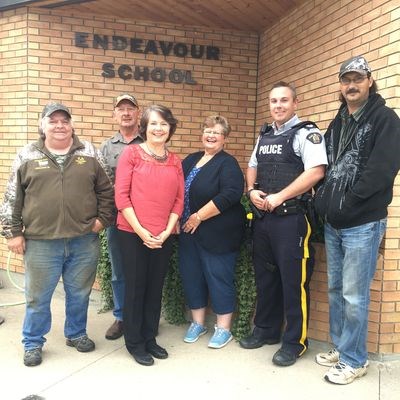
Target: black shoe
[
  {"x": 157, "y": 351},
  {"x": 82, "y": 344},
  {"x": 143, "y": 358},
  {"x": 115, "y": 331},
  {"x": 284, "y": 358},
  {"x": 254, "y": 341},
  {"x": 33, "y": 357}
]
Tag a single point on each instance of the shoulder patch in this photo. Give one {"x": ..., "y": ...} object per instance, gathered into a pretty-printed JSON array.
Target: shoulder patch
[{"x": 314, "y": 137}]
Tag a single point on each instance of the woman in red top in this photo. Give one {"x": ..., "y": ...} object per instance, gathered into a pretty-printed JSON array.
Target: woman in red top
[{"x": 149, "y": 196}]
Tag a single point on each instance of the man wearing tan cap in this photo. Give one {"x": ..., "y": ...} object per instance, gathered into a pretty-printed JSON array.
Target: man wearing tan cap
[{"x": 126, "y": 114}]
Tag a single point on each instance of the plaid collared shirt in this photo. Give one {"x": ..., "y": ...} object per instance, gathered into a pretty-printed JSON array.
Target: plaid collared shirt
[{"x": 348, "y": 127}]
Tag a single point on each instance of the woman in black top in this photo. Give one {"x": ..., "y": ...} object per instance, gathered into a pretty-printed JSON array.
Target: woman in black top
[{"x": 212, "y": 228}]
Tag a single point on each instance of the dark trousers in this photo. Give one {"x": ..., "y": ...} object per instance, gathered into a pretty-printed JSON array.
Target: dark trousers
[
  {"x": 205, "y": 275},
  {"x": 283, "y": 262},
  {"x": 144, "y": 271}
]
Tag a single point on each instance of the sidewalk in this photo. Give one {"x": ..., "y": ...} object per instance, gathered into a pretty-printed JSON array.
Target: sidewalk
[{"x": 192, "y": 371}]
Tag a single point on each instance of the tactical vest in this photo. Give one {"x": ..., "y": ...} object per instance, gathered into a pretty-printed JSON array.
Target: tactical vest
[{"x": 278, "y": 164}]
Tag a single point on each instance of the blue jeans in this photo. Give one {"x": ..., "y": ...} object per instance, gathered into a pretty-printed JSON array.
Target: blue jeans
[
  {"x": 205, "y": 275},
  {"x": 75, "y": 260},
  {"x": 352, "y": 255},
  {"x": 117, "y": 277}
]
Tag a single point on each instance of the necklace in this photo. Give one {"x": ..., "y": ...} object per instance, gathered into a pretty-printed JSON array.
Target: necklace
[{"x": 156, "y": 156}]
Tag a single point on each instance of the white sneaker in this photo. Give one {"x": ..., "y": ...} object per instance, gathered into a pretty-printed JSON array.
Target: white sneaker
[
  {"x": 328, "y": 359},
  {"x": 343, "y": 374}
]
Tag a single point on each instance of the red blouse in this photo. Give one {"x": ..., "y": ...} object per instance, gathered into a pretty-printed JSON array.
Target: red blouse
[{"x": 154, "y": 189}]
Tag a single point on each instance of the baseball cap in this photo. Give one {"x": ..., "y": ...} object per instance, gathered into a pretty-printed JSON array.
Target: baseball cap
[
  {"x": 126, "y": 96},
  {"x": 356, "y": 64},
  {"x": 53, "y": 107}
]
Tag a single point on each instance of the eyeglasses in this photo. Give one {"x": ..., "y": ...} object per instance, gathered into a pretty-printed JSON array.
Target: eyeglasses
[
  {"x": 344, "y": 80},
  {"x": 211, "y": 132}
]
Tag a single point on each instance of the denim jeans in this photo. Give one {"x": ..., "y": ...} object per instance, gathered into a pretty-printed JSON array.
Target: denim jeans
[
  {"x": 75, "y": 260},
  {"x": 117, "y": 277},
  {"x": 206, "y": 274},
  {"x": 352, "y": 255}
]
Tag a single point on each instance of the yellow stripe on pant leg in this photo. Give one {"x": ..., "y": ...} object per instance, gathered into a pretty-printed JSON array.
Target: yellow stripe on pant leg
[{"x": 306, "y": 255}]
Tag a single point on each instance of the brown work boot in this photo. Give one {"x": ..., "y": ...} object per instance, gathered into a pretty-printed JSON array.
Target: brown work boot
[{"x": 115, "y": 331}]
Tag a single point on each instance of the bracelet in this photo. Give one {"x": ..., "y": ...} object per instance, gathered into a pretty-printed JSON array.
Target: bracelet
[{"x": 198, "y": 217}]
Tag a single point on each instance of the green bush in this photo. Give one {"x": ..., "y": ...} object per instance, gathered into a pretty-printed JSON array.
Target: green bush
[
  {"x": 246, "y": 294},
  {"x": 173, "y": 302},
  {"x": 104, "y": 275}
]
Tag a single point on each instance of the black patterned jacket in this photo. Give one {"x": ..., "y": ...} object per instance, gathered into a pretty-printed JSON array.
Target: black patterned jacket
[{"x": 358, "y": 185}]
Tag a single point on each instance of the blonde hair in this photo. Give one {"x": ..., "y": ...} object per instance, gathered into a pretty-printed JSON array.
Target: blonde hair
[{"x": 217, "y": 120}]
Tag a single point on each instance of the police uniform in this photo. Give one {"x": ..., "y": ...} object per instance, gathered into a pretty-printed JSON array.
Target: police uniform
[{"x": 282, "y": 255}]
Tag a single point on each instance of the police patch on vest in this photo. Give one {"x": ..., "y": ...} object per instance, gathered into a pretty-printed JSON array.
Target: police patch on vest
[{"x": 314, "y": 138}]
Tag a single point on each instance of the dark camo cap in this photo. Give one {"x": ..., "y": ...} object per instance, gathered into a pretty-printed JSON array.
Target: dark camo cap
[
  {"x": 356, "y": 64},
  {"x": 53, "y": 107},
  {"x": 128, "y": 97}
]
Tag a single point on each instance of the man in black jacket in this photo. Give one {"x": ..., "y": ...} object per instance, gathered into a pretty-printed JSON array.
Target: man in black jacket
[{"x": 363, "y": 146}]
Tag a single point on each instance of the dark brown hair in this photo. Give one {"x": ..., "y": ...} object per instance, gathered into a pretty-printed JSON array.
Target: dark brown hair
[
  {"x": 286, "y": 84},
  {"x": 166, "y": 114},
  {"x": 372, "y": 90}
]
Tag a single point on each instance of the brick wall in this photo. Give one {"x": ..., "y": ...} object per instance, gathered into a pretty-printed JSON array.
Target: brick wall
[
  {"x": 13, "y": 99},
  {"x": 45, "y": 64},
  {"x": 40, "y": 62},
  {"x": 307, "y": 47}
]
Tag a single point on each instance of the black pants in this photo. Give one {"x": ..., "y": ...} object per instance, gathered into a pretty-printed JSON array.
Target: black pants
[
  {"x": 283, "y": 293},
  {"x": 144, "y": 271}
]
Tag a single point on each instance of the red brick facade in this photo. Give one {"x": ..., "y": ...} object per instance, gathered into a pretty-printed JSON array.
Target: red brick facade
[{"x": 41, "y": 61}]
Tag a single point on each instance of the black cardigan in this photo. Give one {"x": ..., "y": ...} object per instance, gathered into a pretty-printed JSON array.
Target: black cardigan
[{"x": 220, "y": 180}]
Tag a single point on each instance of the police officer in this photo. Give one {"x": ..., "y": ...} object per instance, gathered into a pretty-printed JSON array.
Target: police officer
[
  {"x": 126, "y": 114},
  {"x": 288, "y": 160}
]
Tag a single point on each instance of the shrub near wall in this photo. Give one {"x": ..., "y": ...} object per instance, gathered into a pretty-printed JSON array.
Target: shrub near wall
[{"x": 173, "y": 302}]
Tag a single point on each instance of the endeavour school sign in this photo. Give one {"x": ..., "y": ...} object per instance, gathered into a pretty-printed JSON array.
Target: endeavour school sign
[{"x": 142, "y": 46}]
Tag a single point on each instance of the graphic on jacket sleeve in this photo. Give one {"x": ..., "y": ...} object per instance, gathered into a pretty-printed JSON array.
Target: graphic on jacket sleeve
[{"x": 347, "y": 168}]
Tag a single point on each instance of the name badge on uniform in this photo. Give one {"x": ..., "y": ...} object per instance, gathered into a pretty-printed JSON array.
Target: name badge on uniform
[{"x": 42, "y": 163}]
